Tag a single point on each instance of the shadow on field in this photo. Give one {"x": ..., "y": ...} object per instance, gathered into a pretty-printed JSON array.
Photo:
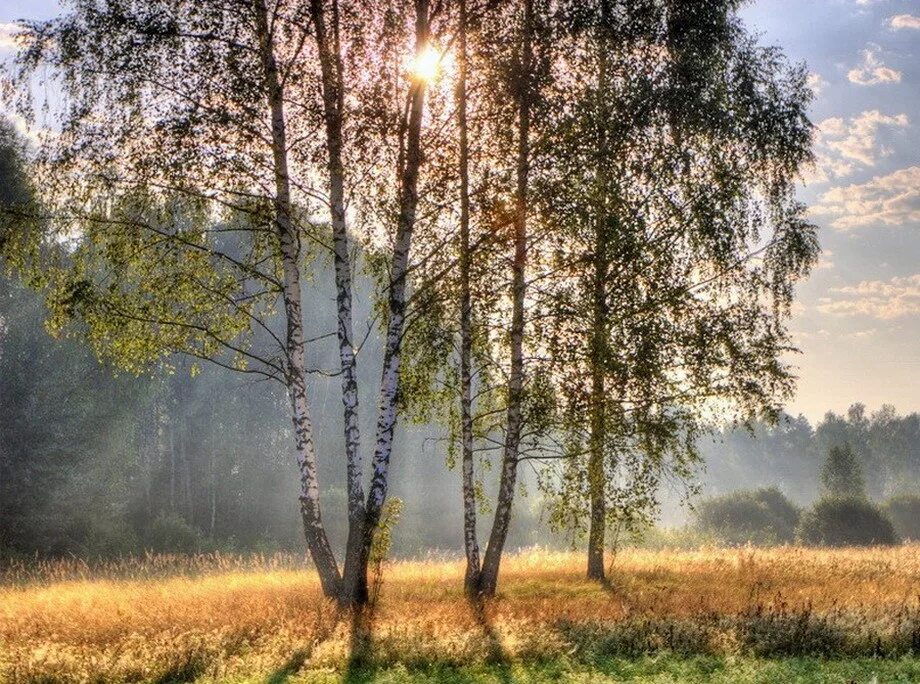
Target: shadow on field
[
  {"x": 289, "y": 669},
  {"x": 361, "y": 662},
  {"x": 497, "y": 655},
  {"x": 295, "y": 663}
]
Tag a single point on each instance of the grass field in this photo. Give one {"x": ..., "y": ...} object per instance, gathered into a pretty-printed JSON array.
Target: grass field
[{"x": 742, "y": 615}]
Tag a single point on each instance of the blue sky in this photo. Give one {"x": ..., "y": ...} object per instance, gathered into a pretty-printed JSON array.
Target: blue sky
[{"x": 857, "y": 320}]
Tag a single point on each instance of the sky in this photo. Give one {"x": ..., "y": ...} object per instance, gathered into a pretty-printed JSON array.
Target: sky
[{"x": 857, "y": 318}]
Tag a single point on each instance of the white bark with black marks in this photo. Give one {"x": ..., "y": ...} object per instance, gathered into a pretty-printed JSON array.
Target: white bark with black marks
[
  {"x": 296, "y": 377},
  {"x": 470, "y": 542},
  {"x": 396, "y": 297},
  {"x": 329, "y": 49}
]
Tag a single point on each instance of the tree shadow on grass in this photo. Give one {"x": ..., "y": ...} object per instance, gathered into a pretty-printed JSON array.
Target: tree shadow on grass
[
  {"x": 361, "y": 665},
  {"x": 291, "y": 667},
  {"x": 497, "y": 656},
  {"x": 616, "y": 585},
  {"x": 299, "y": 658},
  {"x": 185, "y": 667}
]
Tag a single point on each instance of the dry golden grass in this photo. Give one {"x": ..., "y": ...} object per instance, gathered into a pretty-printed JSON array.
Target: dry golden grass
[{"x": 169, "y": 619}]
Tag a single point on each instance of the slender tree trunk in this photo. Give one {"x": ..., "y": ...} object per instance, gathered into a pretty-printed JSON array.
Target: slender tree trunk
[
  {"x": 329, "y": 48},
  {"x": 596, "y": 475},
  {"x": 471, "y": 577},
  {"x": 186, "y": 460},
  {"x": 172, "y": 464},
  {"x": 502, "y": 520},
  {"x": 213, "y": 478},
  {"x": 151, "y": 443},
  {"x": 314, "y": 531},
  {"x": 389, "y": 386},
  {"x": 599, "y": 341}
]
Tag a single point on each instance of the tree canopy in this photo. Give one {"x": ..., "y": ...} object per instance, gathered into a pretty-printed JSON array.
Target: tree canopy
[{"x": 580, "y": 218}]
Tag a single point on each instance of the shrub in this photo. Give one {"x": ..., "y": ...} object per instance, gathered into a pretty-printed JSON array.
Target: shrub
[
  {"x": 761, "y": 516},
  {"x": 845, "y": 521},
  {"x": 169, "y": 533},
  {"x": 904, "y": 513}
]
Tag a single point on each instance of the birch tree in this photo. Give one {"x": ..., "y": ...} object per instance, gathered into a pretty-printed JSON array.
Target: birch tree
[
  {"x": 685, "y": 239},
  {"x": 171, "y": 175},
  {"x": 477, "y": 299},
  {"x": 468, "y": 481},
  {"x": 524, "y": 95},
  {"x": 183, "y": 178}
]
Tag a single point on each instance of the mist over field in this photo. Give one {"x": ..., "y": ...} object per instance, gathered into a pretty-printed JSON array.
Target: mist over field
[{"x": 178, "y": 463}]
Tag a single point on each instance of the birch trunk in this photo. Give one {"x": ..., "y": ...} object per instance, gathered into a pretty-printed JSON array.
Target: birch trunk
[
  {"x": 471, "y": 545},
  {"x": 502, "y": 520},
  {"x": 389, "y": 386},
  {"x": 329, "y": 48},
  {"x": 596, "y": 476},
  {"x": 314, "y": 531},
  {"x": 599, "y": 334}
]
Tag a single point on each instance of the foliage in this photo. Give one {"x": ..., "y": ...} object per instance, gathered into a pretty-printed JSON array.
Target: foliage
[
  {"x": 760, "y": 516},
  {"x": 841, "y": 474},
  {"x": 383, "y": 544},
  {"x": 678, "y": 239},
  {"x": 904, "y": 512},
  {"x": 845, "y": 521},
  {"x": 53, "y": 399},
  {"x": 790, "y": 453},
  {"x": 115, "y": 433},
  {"x": 885, "y": 443},
  {"x": 17, "y": 205}
]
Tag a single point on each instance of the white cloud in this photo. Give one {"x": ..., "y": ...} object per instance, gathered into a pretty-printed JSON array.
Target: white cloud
[
  {"x": 872, "y": 71},
  {"x": 826, "y": 260},
  {"x": 816, "y": 82},
  {"x": 861, "y": 334},
  {"x": 882, "y": 299},
  {"x": 8, "y": 35},
  {"x": 832, "y": 127},
  {"x": 808, "y": 335},
  {"x": 858, "y": 140},
  {"x": 891, "y": 200},
  {"x": 904, "y": 21},
  {"x": 842, "y": 145}
]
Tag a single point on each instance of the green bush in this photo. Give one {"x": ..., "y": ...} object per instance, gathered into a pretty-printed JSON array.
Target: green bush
[
  {"x": 169, "y": 533},
  {"x": 762, "y": 516},
  {"x": 845, "y": 521},
  {"x": 904, "y": 512}
]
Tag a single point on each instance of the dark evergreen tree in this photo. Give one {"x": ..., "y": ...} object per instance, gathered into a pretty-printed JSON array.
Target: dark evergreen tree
[{"x": 841, "y": 474}]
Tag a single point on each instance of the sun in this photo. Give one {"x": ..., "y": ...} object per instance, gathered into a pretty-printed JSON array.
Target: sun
[{"x": 426, "y": 64}]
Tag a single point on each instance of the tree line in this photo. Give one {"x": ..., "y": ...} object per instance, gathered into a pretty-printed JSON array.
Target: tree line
[
  {"x": 844, "y": 513},
  {"x": 580, "y": 219},
  {"x": 791, "y": 453}
]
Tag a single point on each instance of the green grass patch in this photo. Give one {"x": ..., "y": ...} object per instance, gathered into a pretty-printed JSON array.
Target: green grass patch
[{"x": 660, "y": 669}]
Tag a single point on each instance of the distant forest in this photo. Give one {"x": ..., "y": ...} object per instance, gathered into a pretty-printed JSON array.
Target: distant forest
[
  {"x": 97, "y": 464},
  {"x": 789, "y": 455}
]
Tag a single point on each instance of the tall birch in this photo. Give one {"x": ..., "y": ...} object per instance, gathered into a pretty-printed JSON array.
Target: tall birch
[{"x": 499, "y": 533}]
